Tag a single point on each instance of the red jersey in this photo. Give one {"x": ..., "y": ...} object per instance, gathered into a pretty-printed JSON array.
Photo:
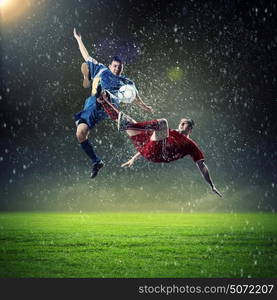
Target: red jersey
[{"x": 174, "y": 147}]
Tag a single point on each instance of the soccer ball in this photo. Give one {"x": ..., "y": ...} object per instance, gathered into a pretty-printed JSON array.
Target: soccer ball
[{"x": 127, "y": 93}]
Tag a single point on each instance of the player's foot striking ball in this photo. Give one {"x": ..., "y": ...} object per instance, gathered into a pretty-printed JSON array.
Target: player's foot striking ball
[{"x": 124, "y": 121}]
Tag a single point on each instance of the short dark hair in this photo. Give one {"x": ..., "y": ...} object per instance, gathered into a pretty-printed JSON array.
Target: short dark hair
[
  {"x": 116, "y": 58},
  {"x": 190, "y": 122}
]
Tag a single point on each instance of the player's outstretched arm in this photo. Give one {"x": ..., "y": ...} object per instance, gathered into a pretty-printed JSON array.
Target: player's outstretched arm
[
  {"x": 205, "y": 173},
  {"x": 138, "y": 101},
  {"x": 82, "y": 47},
  {"x": 130, "y": 162}
]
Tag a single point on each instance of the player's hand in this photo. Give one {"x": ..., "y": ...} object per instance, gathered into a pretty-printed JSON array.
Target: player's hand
[
  {"x": 129, "y": 163},
  {"x": 76, "y": 35},
  {"x": 216, "y": 191}
]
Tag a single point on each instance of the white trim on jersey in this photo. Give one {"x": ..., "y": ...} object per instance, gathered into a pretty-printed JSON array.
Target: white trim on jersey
[{"x": 100, "y": 71}]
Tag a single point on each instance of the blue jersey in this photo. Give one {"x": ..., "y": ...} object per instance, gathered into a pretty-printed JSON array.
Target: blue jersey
[
  {"x": 109, "y": 81},
  {"x": 93, "y": 112}
]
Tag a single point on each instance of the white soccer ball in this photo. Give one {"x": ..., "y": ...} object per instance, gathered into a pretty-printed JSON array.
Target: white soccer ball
[{"x": 127, "y": 93}]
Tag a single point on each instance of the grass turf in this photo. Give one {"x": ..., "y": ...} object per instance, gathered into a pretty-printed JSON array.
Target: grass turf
[{"x": 129, "y": 245}]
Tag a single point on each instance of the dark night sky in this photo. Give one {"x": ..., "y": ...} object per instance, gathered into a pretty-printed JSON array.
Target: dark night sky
[{"x": 214, "y": 61}]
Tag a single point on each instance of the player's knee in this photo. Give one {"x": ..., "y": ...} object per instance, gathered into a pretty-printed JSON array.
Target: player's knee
[
  {"x": 163, "y": 123},
  {"x": 81, "y": 136},
  {"x": 82, "y": 132}
]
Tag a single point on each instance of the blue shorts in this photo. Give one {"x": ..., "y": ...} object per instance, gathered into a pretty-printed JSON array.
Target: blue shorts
[{"x": 92, "y": 113}]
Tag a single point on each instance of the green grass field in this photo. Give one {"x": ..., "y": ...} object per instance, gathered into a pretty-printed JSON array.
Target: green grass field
[{"x": 138, "y": 245}]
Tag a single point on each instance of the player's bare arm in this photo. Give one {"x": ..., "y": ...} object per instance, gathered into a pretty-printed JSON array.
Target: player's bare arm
[
  {"x": 205, "y": 172},
  {"x": 138, "y": 101},
  {"x": 130, "y": 162},
  {"x": 82, "y": 47}
]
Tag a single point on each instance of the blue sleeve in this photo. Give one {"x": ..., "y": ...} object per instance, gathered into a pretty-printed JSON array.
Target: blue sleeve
[
  {"x": 128, "y": 81},
  {"x": 94, "y": 68}
]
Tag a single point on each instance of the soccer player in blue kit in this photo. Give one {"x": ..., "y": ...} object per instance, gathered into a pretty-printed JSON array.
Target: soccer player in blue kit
[{"x": 110, "y": 79}]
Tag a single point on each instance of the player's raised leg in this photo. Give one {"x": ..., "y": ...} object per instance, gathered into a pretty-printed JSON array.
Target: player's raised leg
[
  {"x": 158, "y": 126},
  {"x": 110, "y": 109},
  {"x": 126, "y": 123}
]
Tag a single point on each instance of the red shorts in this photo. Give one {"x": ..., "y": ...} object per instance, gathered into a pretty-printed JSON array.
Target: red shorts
[
  {"x": 151, "y": 150},
  {"x": 174, "y": 147}
]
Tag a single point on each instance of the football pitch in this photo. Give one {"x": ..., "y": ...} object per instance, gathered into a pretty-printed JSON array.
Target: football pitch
[{"x": 138, "y": 245}]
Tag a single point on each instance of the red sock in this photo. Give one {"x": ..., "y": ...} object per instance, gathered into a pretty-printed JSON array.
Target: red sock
[
  {"x": 111, "y": 110},
  {"x": 148, "y": 125}
]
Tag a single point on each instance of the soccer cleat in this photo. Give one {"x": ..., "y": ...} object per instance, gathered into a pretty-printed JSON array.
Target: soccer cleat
[
  {"x": 85, "y": 72},
  {"x": 123, "y": 121},
  {"x": 96, "y": 168}
]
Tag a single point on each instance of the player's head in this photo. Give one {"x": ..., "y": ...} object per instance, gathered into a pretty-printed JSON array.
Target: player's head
[
  {"x": 186, "y": 125},
  {"x": 116, "y": 65}
]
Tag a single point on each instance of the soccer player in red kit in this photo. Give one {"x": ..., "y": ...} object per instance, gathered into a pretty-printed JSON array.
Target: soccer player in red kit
[{"x": 158, "y": 143}]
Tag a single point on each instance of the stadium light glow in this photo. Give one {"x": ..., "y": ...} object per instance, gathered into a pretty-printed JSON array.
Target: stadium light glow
[
  {"x": 2, "y": 2},
  {"x": 11, "y": 10}
]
